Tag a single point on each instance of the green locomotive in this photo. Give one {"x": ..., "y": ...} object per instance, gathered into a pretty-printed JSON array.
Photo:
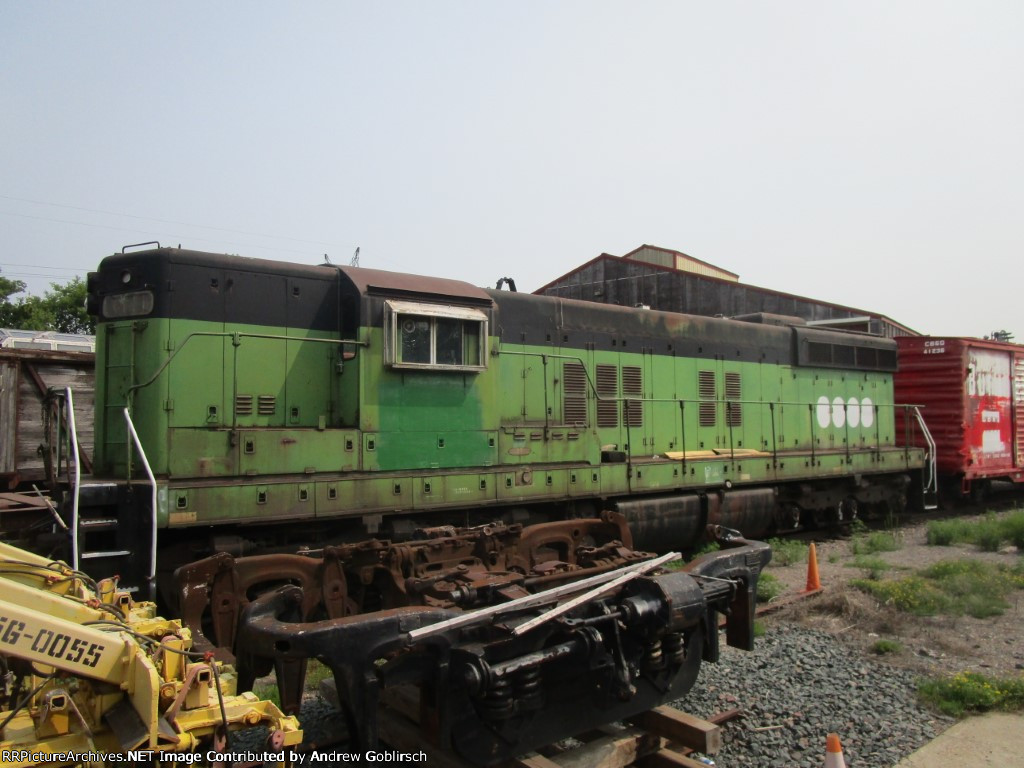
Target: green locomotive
[{"x": 274, "y": 404}]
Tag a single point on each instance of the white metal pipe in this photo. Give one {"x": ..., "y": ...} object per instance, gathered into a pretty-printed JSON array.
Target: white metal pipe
[
  {"x": 932, "y": 482},
  {"x": 149, "y": 473},
  {"x": 69, "y": 403},
  {"x": 592, "y": 594},
  {"x": 529, "y": 601}
]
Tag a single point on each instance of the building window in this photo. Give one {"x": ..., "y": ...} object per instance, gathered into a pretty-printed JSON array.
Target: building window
[{"x": 420, "y": 335}]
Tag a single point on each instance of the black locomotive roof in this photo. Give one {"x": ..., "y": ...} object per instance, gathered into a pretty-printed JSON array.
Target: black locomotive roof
[
  {"x": 379, "y": 282},
  {"x": 533, "y": 319},
  {"x": 523, "y": 318},
  {"x": 157, "y": 257},
  {"x": 364, "y": 281}
]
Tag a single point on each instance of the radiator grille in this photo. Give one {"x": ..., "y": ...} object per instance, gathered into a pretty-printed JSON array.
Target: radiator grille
[
  {"x": 734, "y": 409},
  {"x": 633, "y": 386},
  {"x": 706, "y": 392},
  {"x": 574, "y": 394},
  {"x": 607, "y": 387}
]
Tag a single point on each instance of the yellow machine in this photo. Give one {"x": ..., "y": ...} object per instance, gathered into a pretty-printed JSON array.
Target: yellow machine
[{"x": 90, "y": 677}]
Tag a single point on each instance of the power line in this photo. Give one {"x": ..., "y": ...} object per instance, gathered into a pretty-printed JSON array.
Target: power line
[
  {"x": 179, "y": 238},
  {"x": 19, "y": 275},
  {"x": 169, "y": 221},
  {"x": 36, "y": 266}
]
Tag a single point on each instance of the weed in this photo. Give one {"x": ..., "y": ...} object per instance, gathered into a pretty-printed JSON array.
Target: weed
[
  {"x": 268, "y": 692},
  {"x": 875, "y": 566},
  {"x": 315, "y": 674},
  {"x": 944, "y": 533},
  {"x": 972, "y": 692},
  {"x": 1013, "y": 529},
  {"x": 910, "y": 595},
  {"x": 989, "y": 533},
  {"x": 950, "y": 587},
  {"x": 883, "y": 646},
  {"x": 759, "y": 628},
  {"x": 787, "y": 551},
  {"x": 876, "y": 541},
  {"x": 768, "y": 587}
]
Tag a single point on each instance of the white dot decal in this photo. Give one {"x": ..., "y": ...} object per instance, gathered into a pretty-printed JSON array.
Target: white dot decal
[
  {"x": 838, "y": 412},
  {"x": 824, "y": 412},
  {"x": 867, "y": 412},
  {"x": 853, "y": 411}
]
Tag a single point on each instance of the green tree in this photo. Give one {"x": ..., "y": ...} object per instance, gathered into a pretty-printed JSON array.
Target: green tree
[
  {"x": 62, "y": 308},
  {"x": 9, "y": 313},
  {"x": 66, "y": 305}
]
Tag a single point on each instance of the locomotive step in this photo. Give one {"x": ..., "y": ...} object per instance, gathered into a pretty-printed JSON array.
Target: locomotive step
[
  {"x": 112, "y": 553},
  {"x": 95, "y": 523}
]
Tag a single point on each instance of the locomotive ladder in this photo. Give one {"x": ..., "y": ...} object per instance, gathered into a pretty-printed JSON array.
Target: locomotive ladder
[{"x": 106, "y": 522}]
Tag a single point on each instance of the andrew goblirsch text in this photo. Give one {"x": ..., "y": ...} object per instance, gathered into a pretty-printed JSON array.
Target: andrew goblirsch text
[{"x": 382, "y": 757}]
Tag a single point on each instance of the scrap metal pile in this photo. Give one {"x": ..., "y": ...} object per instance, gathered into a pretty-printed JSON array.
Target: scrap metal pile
[
  {"x": 88, "y": 676},
  {"x": 515, "y": 637}
]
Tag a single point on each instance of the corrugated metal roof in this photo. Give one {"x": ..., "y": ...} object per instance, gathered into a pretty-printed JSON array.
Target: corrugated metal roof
[{"x": 618, "y": 280}]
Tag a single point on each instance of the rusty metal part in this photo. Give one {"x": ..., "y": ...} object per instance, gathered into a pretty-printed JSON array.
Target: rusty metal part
[
  {"x": 486, "y": 692},
  {"x": 444, "y": 567}
]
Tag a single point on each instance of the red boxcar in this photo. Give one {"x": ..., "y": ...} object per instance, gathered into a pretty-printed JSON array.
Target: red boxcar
[{"x": 973, "y": 396}]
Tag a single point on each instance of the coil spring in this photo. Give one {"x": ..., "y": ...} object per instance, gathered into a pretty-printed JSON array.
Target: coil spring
[
  {"x": 499, "y": 704},
  {"x": 674, "y": 648},
  {"x": 529, "y": 689},
  {"x": 654, "y": 658}
]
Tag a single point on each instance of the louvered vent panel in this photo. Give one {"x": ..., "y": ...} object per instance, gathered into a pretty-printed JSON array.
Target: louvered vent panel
[
  {"x": 706, "y": 391},
  {"x": 243, "y": 405},
  {"x": 734, "y": 409},
  {"x": 706, "y": 385},
  {"x": 607, "y": 387},
  {"x": 633, "y": 386},
  {"x": 574, "y": 392},
  {"x": 707, "y": 414},
  {"x": 267, "y": 405}
]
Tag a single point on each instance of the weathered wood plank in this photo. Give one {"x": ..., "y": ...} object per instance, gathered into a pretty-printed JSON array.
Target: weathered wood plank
[
  {"x": 681, "y": 728},
  {"x": 618, "y": 749}
]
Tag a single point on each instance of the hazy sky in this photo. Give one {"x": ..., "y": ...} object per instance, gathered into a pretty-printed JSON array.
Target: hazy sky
[{"x": 864, "y": 153}]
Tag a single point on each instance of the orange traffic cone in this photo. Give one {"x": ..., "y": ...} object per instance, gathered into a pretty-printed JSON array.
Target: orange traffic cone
[
  {"x": 813, "y": 581},
  {"x": 833, "y": 750}
]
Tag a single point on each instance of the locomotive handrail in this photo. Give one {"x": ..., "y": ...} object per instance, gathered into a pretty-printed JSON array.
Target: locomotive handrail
[
  {"x": 235, "y": 335},
  {"x": 151, "y": 578},
  {"x": 931, "y": 484},
  {"x": 73, "y": 429}
]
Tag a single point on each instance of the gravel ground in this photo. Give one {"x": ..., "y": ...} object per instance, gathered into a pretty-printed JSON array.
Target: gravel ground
[{"x": 798, "y": 686}]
